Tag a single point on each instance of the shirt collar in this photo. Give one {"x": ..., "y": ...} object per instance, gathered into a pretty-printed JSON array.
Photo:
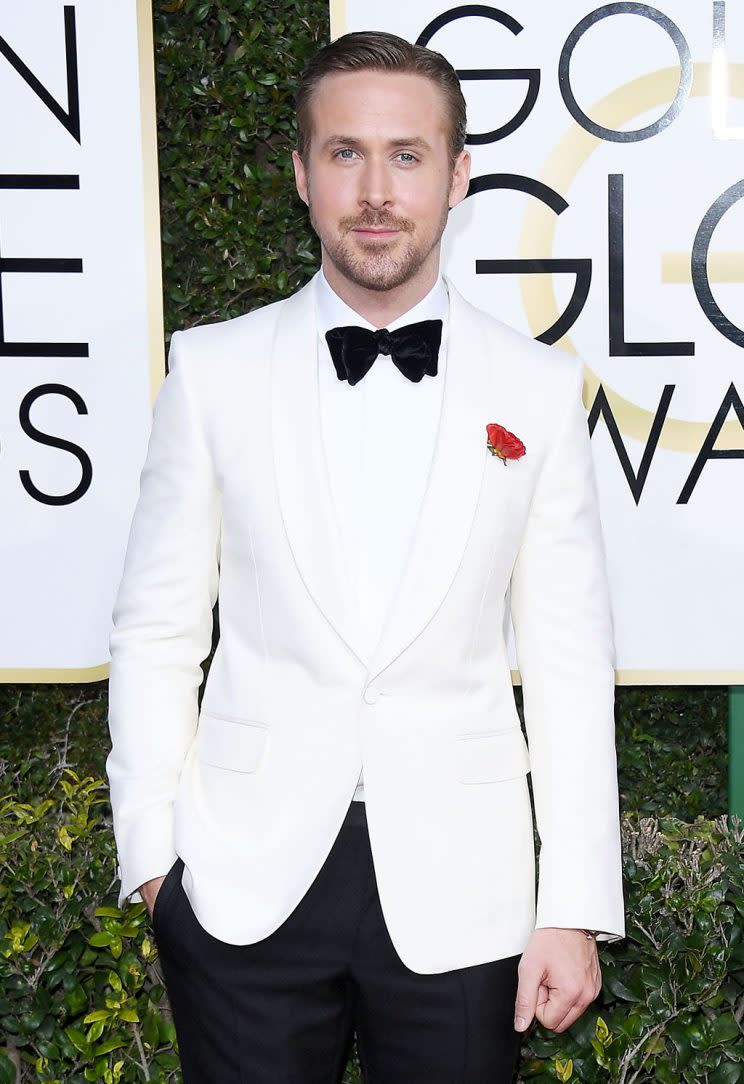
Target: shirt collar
[{"x": 332, "y": 311}]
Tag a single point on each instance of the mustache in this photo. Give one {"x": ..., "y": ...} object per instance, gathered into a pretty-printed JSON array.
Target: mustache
[{"x": 377, "y": 222}]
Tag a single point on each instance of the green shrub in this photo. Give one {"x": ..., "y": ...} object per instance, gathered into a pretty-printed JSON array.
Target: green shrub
[
  {"x": 235, "y": 233},
  {"x": 83, "y": 997},
  {"x": 671, "y": 999}
]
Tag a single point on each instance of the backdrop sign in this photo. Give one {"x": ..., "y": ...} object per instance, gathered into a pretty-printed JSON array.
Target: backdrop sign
[
  {"x": 81, "y": 328},
  {"x": 606, "y": 216}
]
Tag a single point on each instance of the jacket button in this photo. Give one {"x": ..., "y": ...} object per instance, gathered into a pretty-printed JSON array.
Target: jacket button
[{"x": 371, "y": 694}]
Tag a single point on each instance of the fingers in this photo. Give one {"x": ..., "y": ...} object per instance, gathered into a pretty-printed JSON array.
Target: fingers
[
  {"x": 553, "y": 1008},
  {"x": 559, "y": 977},
  {"x": 527, "y": 997},
  {"x": 562, "y": 1009},
  {"x": 560, "y": 1015}
]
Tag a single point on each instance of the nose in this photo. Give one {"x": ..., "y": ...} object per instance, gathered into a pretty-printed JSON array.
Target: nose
[{"x": 375, "y": 187}]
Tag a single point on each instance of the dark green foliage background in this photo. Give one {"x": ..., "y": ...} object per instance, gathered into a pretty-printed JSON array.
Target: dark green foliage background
[
  {"x": 235, "y": 233},
  {"x": 235, "y": 236}
]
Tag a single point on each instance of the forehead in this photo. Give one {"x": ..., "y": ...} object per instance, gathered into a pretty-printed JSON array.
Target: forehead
[{"x": 370, "y": 103}]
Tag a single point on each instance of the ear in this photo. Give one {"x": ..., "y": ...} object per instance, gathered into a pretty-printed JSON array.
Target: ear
[
  {"x": 460, "y": 178},
  {"x": 300, "y": 176}
]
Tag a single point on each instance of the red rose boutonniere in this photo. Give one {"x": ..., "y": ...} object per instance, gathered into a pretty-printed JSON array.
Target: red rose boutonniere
[{"x": 503, "y": 443}]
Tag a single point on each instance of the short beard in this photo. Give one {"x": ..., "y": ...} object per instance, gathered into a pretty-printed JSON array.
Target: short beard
[{"x": 375, "y": 269}]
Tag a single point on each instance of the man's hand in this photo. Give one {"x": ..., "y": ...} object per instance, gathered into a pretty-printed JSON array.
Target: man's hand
[
  {"x": 559, "y": 976},
  {"x": 149, "y": 891}
]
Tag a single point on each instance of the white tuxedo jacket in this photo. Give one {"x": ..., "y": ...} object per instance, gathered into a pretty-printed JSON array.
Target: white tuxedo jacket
[{"x": 251, "y": 790}]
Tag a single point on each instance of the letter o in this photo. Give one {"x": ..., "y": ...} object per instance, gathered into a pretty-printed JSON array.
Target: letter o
[{"x": 685, "y": 82}]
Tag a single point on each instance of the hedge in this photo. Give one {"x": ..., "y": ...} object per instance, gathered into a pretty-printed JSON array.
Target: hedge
[{"x": 82, "y": 996}]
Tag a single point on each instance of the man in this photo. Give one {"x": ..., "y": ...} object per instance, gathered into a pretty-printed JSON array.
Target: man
[{"x": 375, "y": 474}]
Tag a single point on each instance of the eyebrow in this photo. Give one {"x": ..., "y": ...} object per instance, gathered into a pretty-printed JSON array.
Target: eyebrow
[{"x": 352, "y": 141}]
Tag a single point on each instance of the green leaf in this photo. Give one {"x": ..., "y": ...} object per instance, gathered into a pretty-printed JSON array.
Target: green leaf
[
  {"x": 96, "y": 1014},
  {"x": 101, "y": 938},
  {"x": 107, "y": 1046},
  {"x": 77, "y": 1039},
  {"x": 108, "y": 912},
  {"x": 726, "y": 1073},
  {"x": 611, "y": 978},
  {"x": 7, "y": 1070},
  {"x": 723, "y": 1029}
]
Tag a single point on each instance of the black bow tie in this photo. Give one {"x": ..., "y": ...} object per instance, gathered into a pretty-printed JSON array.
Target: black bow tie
[{"x": 414, "y": 349}]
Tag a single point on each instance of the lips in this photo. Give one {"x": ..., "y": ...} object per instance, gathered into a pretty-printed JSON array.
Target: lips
[{"x": 366, "y": 231}]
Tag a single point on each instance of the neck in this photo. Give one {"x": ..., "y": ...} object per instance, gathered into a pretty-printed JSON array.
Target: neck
[{"x": 381, "y": 307}]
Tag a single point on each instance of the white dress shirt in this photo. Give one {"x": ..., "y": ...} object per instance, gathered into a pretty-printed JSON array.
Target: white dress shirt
[{"x": 379, "y": 438}]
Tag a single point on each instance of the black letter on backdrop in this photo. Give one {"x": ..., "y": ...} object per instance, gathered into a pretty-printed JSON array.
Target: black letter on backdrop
[
  {"x": 515, "y": 182},
  {"x": 700, "y": 279},
  {"x": 685, "y": 79},
  {"x": 54, "y": 442},
  {"x": 619, "y": 348},
  {"x": 601, "y": 406},
  {"x": 38, "y": 350},
  {"x": 731, "y": 399},
  {"x": 70, "y": 120},
  {"x": 532, "y": 75}
]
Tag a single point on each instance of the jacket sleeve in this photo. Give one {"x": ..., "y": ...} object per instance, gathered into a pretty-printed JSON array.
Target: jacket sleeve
[
  {"x": 162, "y": 629},
  {"x": 562, "y": 621}
]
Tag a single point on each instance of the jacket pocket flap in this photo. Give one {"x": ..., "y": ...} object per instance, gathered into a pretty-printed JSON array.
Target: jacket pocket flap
[
  {"x": 225, "y": 743},
  {"x": 491, "y": 756}
]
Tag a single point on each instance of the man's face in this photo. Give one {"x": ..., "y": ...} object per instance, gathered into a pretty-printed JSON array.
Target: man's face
[{"x": 377, "y": 179}]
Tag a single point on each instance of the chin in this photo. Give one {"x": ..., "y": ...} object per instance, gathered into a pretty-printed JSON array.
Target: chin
[
  {"x": 380, "y": 279},
  {"x": 376, "y": 274}
]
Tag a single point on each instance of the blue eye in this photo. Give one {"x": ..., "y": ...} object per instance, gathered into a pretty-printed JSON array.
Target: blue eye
[
  {"x": 408, "y": 156},
  {"x": 344, "y": 151}
]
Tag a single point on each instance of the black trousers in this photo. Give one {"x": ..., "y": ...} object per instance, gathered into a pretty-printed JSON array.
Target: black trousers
[{"x": 284, "y": 1010}]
